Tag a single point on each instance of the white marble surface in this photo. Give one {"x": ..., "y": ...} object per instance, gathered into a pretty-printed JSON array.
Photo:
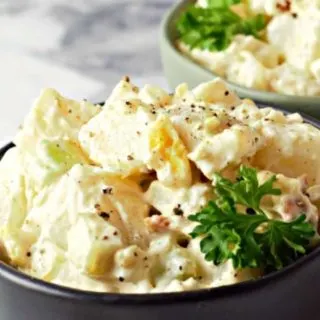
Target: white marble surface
[{"x": 80, "y": 47}]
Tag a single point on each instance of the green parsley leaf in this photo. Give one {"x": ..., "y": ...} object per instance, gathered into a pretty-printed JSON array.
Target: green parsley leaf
[
  {"x": 214, "y": 27},
  {"x": 249, "y": 240},
  {"x": 246, "y": 191},
  {"x": 222, "y": 3}
]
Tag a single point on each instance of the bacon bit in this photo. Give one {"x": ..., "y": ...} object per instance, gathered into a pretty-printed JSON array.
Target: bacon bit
[
  {"x": 293, "y": 206},
  {"x": 158, "y": 223},
  {"x": 289, "y": 205},
  {"x": 284, "y": 6}
]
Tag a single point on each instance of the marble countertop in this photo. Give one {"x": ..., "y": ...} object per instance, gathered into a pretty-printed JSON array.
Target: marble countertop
[{"x": 80, "y": 47}]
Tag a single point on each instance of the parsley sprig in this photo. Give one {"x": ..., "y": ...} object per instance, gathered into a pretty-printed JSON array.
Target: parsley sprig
[
  {"x": 214, "y": 27},
  {"x": 248, "y": 239}
]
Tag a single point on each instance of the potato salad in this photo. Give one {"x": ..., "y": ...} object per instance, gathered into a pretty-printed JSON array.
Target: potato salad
[
  {"x": 127, "y": 197},
  {"x": 270, "y": 45}
]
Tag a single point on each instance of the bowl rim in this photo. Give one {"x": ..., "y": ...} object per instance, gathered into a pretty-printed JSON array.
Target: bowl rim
[
  {"x": 30, "y": 283},
  {"x": 256, "y": 94}
]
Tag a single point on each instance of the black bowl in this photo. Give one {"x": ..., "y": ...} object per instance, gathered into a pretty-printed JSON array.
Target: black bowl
[{"x": 291, "y": 293}]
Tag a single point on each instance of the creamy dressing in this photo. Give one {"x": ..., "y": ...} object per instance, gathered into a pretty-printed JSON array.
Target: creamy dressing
[{"x": 98, "y": 199}]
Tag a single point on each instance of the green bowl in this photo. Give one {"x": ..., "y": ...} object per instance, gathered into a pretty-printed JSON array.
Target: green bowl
[{"x": 178, "y": 68}]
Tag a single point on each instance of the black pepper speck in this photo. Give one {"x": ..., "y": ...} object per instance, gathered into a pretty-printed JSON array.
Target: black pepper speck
[
  {"x": 107, "y": 190},
  {"x": 104, "y": 215},
  {"x": 178, "y": 211}
]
